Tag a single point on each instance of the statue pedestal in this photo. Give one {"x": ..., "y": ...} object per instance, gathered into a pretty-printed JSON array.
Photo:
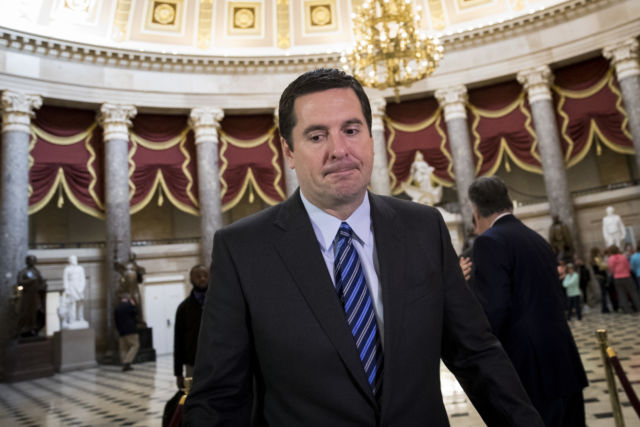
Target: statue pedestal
[
  {"x": 74, "y": 349},
  {"x": 146, "y": 353},
  {"x": 29, "y": 359}
]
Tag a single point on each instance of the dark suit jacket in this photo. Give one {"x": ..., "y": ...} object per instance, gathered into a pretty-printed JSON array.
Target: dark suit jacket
[
  {"x": 516, "y": 280},
  {"x": 273, "y": 323}
]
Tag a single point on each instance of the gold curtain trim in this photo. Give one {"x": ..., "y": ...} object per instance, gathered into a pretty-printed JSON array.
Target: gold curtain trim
[
  {"x": 249, "y": 179},
  {"x": 92, "y": 172},
  {"x": 532, "y": 132},
  {"x": 276, "y": 166},
  {"x": 392, "y": 158},
  {"x": 415, "y": 127},
  {"x": 61, "y": 180},
  {"x": 446, "y": 153},
  {"x": 584, "y": 93},
  {"x": 159, "y": 180},
  {"x": 159, "y": 146},
  {"x": 32, "y": 143},
  {"x": 620, "y": 108},
  {"x": 63, "y": 140},
  {"x": 132, "y": 168},
  {"x": 185, "y": 171},
  {"x": 251, "y": 143}
]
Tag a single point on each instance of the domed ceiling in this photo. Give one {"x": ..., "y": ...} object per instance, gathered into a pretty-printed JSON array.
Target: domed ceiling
[{"x": 236, "y": 28}]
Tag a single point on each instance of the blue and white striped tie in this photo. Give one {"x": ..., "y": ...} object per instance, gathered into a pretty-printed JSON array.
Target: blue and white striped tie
[{"x": 354, "y": 295}]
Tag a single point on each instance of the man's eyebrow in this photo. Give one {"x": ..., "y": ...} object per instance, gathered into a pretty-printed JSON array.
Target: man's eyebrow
[
  {"x": 314, "y": 128},
  {"x": 354, "y": 121}
]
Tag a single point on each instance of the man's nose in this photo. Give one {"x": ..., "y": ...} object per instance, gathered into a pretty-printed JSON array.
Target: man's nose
[{"x": 338, "y": 145}]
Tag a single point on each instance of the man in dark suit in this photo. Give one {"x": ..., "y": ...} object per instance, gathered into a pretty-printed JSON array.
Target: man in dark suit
[
  {"x": 517, "y": 283},
  {"x": 334, "y": 307}
]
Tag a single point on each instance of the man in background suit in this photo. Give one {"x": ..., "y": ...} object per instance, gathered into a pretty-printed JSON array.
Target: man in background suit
[
  {"x": 334, "y": 307},
  {"x": 517, "y": 283}
]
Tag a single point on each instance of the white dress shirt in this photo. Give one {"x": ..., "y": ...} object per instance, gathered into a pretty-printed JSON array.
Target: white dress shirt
[{"x": 326, "y": 228}]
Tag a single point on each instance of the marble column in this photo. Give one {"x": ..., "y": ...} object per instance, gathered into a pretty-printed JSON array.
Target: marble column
[
  {"x": 17, "y": 110},
  {"x": 453, "y": 100},
  {"x": 624, "y": 57},
  {"x": 537, "y": 82},
  {"x": 115, "y": 121},
  {"x": 290, "y": 178},
  {"x": 380, "y": 182},
  {"x": 205, "y": 122}
]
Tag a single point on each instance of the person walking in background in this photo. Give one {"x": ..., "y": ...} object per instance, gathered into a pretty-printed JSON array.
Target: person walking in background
[
  {"x": 600, "y": 270},
  {"x": 585, "y": 276},
  {"x": 571, "y": 283},
  {"x": 517, "y": 283},
  {"x": 187, "y": 325},
  {"x": 634, "y": 263},
  {"x": 621, "y": 272},
  {"x": 126, "y": 316}
]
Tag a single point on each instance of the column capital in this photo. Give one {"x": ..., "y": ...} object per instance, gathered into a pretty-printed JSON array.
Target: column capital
[
  {"x": 624, "y": 56},
  {"x": 537, "y": 82},
  {"x": 205, "y": 122},
  {"x": 378, "y": 106},
  {"x": 115, "y": 119},
  {"x": 453, "y": 99},
  {"x": 17, "y": 110}
]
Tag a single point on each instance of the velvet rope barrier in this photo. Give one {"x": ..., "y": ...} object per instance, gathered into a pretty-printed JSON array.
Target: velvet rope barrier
[{"x": 626, "y": 385}]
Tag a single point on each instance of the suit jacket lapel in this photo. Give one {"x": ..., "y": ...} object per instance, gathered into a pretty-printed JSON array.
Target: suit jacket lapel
[
  {"x": 301, "y": 254},
  {"x": 389, "y": 235}
]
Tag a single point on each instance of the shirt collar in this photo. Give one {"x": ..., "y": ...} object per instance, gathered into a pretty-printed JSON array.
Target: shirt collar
[
  {"x": 326, "y": 226},
  {"x": 500, "y": 216}
]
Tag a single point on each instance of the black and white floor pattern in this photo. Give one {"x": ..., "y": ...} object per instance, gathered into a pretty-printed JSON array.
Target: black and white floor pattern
[{"x": 105, "y": 396}]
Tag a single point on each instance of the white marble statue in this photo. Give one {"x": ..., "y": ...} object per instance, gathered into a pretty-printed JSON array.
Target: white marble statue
[
  {"x": 420, "y": 188},
  {"x": 71, "y": 309},
  {"x": 613, "y": 229}
]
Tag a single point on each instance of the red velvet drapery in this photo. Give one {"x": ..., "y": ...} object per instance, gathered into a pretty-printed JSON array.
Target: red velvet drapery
[
  {"x": 162, "y": 160},
  {"x": 502, "y": 128},
  {"x": 588, "y": 102},
  {"x": 250, "y": 160},
  {"x": 414, "y": 126},
  {"x": 67, "y": 155}
]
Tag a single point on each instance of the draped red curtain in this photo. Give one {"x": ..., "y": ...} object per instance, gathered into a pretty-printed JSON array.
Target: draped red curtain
[
  {"x": 66, "y": 156},
  {"x": 162, "y": 162},
  {"x": 588, "y": 102},
  {"x": 502, "y": 129},
  {"x": 250, "y": 160},
  {"x": 412, "y": 127}
]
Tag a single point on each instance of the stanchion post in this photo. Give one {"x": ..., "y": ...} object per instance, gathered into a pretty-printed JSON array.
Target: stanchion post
[{"x": 601, "y": 334}]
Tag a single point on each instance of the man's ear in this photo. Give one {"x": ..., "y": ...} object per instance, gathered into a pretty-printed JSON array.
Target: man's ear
[{"x": 288, "y": 153}]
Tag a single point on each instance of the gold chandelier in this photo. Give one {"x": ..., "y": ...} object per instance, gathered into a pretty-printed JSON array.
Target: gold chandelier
[{"x": 390, "y": 49}]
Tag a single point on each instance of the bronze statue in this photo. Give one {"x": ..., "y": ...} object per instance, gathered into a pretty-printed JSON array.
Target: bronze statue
[
  {"x": 560, "y": 239},
  {"x": 30, "y": 300},
  {"x": 131, "y": 275}
]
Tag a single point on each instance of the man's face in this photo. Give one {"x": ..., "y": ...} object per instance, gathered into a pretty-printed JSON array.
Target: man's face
[
  {"x": 200, "y": 278},
  {"x": 333, "y": 149},
  {"x": 481, "y": 224}
]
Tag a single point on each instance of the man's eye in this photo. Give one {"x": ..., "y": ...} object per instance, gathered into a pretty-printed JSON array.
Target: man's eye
[
  {"x": 351, "y": 131},
  {"x": 315, "y": 138}
]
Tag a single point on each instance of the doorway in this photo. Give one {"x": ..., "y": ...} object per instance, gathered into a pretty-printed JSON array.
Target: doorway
[{"x": 160, "y": 304}]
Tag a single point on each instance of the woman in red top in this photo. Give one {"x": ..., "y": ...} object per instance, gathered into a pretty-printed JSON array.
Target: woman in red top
[{"x": 621, "y": 271}]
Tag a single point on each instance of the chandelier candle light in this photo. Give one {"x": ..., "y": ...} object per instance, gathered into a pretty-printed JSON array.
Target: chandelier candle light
[{"x": 390, "y": 49}]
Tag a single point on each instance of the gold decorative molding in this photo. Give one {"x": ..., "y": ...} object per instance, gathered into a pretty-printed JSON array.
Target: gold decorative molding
[
  {"x": 204, "y": 24},
  {"x": 320, "y": 16},
  {"x": 121, "y": 20},
  {"x": 164, "y": 15},
  {"x": 284, "y": 27},
  {"x": 244, "y": 18},
  {"x": 436, "y": 10},
  {"x": 468, "y": 4}
]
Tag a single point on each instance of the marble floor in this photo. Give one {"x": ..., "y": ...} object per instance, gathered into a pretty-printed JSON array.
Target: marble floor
[{"x": 105, "y": 396}]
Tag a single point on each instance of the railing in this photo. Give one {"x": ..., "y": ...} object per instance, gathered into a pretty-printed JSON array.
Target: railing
[{"x": 102, "y": 244}]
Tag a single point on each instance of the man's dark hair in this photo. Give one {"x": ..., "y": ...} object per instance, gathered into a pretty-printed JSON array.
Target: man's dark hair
[
  {"x": 490, "y": 195},
  {"x": 317, "y": 80}
]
